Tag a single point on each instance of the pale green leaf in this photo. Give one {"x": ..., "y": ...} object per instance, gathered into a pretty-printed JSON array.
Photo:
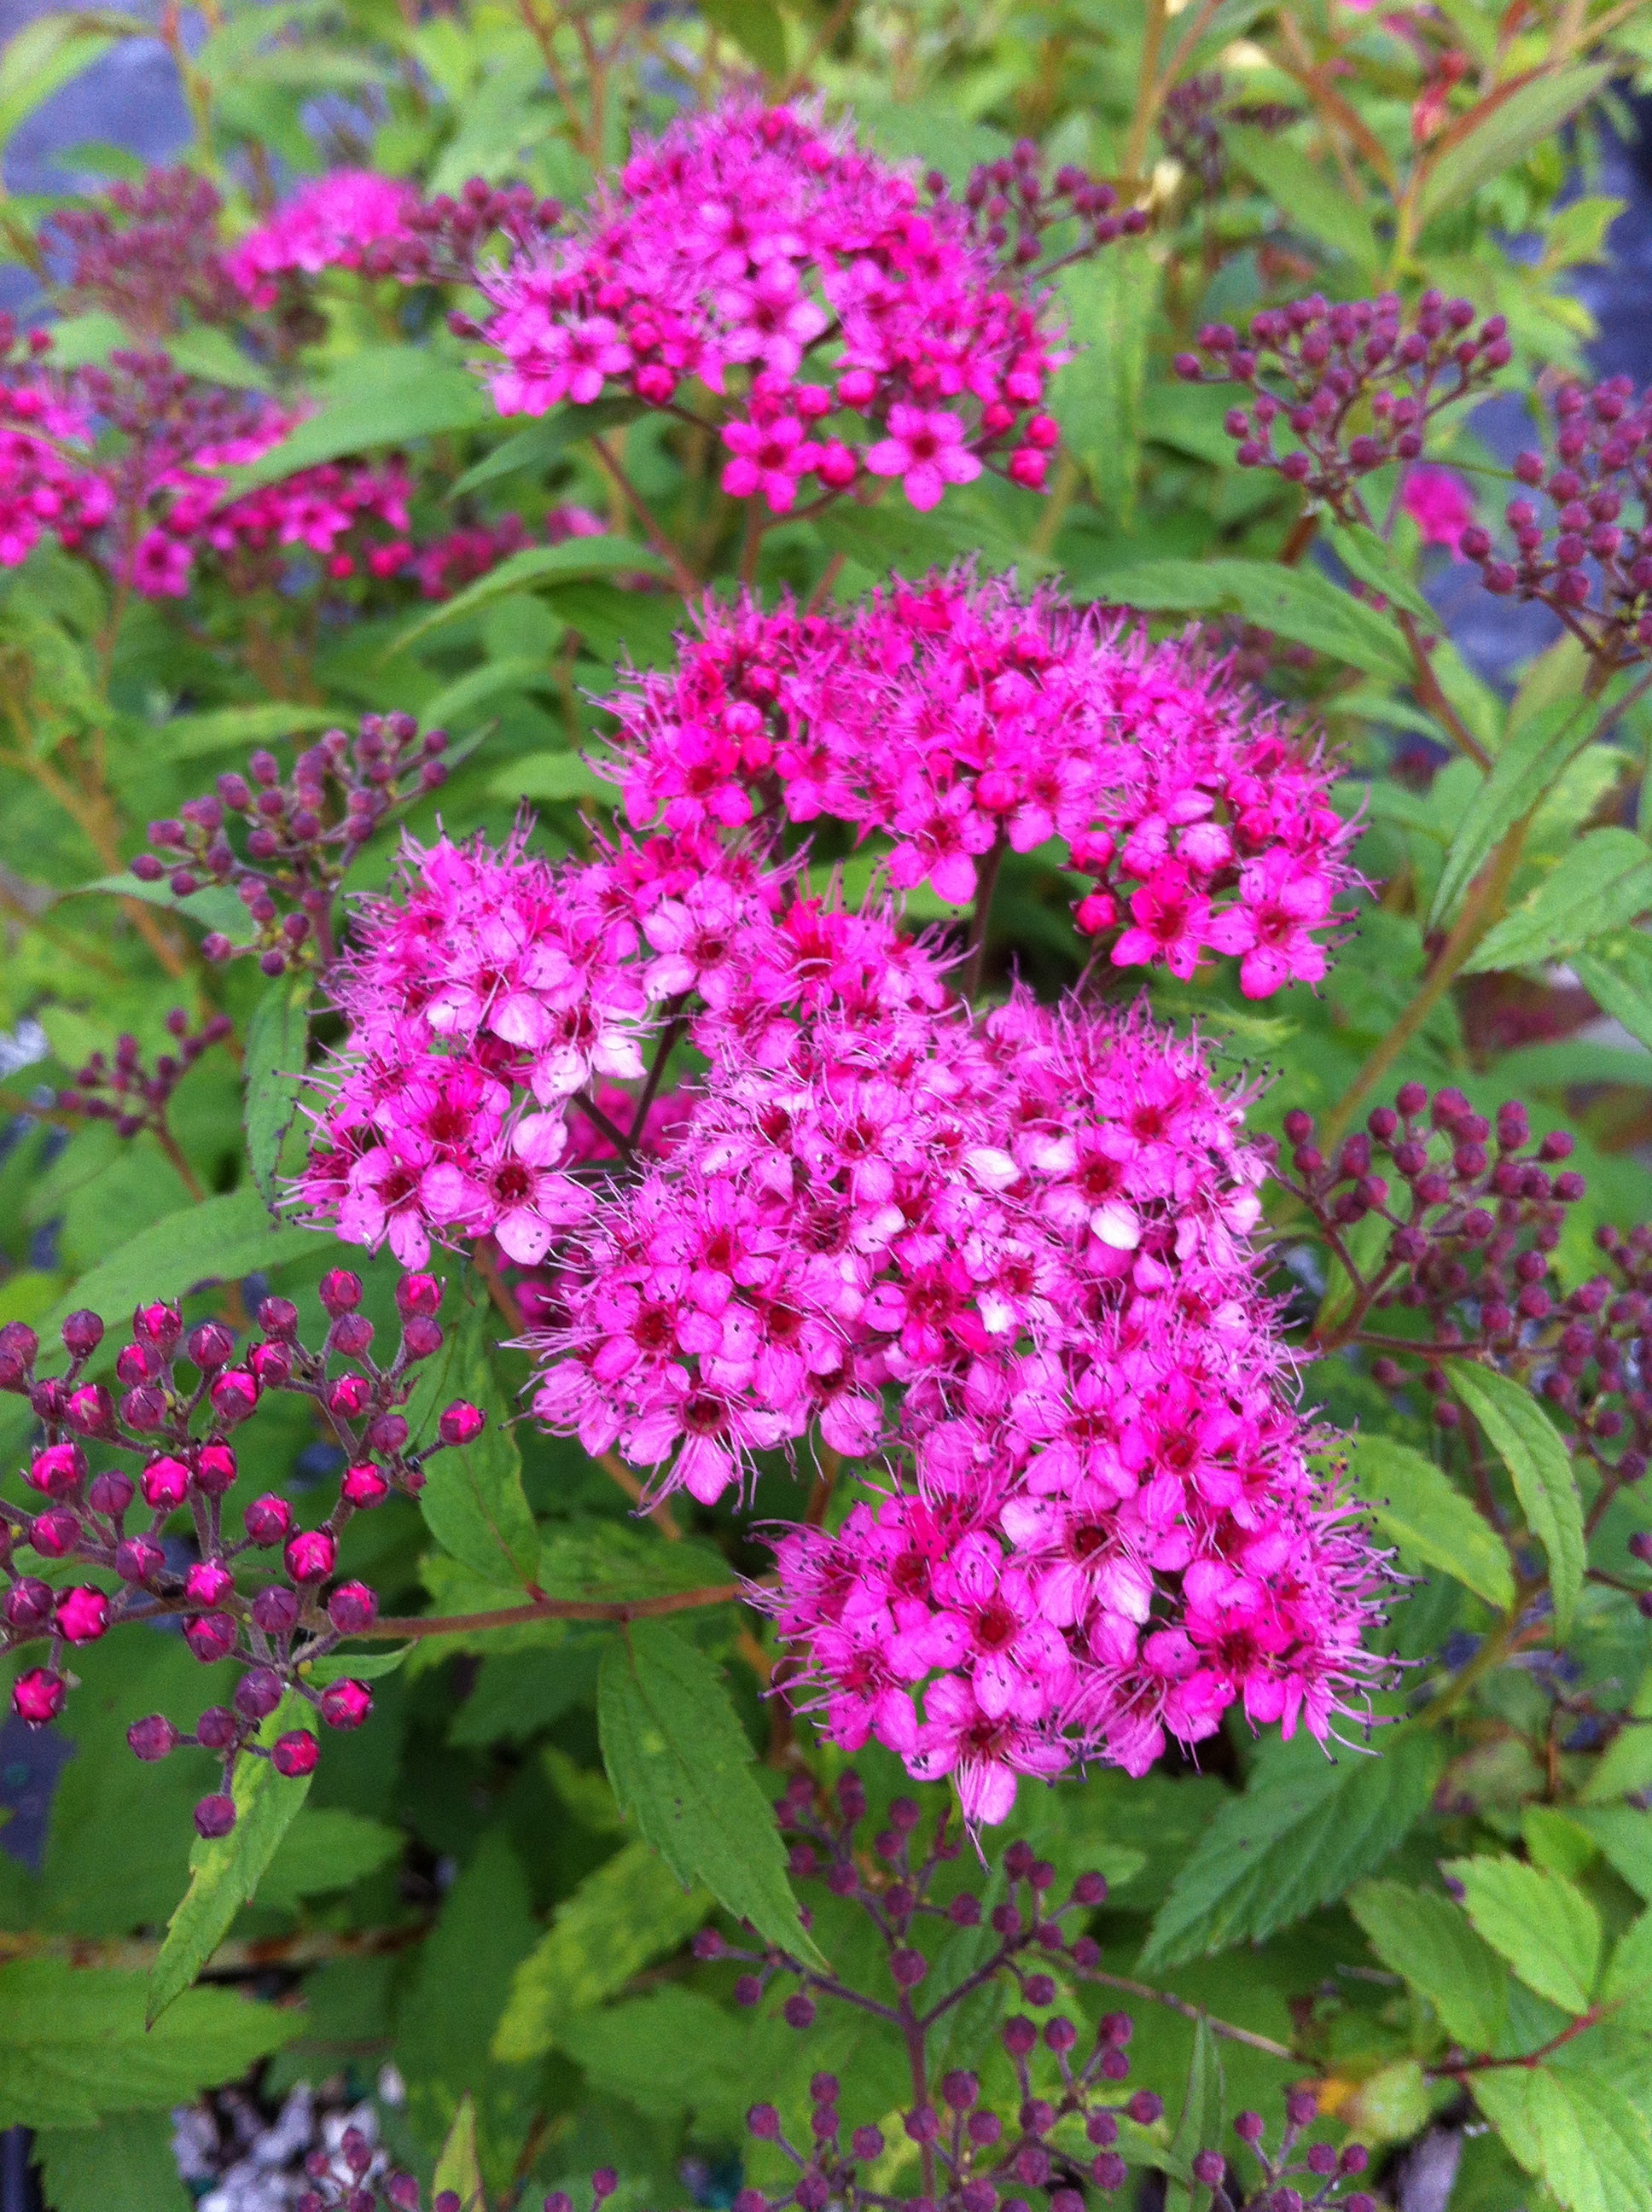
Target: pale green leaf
[
  {"x": 631, "y": 1910},
  {"x": 1601, "y": 882},
  {"x": 1415, "y": 1506},
  {"x": 1534, "y": 759},
  {"x": 1523, "y": 1437},
  {"x": 1299, "y": 604},
  {"x": 1109, "y": 301},
  {"x": 551, "y": 778},
  {"x": 1204, "y": 2116},
  {"x": 458, "y": 2168},
  {"x": 1624, "y": 1833},
  {"x": 472, "y": 1500},
  {"x": 1314, "y": 203},
  {"x": 225, "y": 1871},
  {"x": 1578, "y": 2131},
  {"x": 756, "y": 29},
  {"x": 399, "y": 396},
  {"x": 533, "y": 449},
  {"x": 1504, "y": 136},
  {"x": 1617, "y": 973},
  {"x": 575, "y": 557},
  {"x": 1423, "y": 1937},
  {"x": 1542, "y": 1924}
]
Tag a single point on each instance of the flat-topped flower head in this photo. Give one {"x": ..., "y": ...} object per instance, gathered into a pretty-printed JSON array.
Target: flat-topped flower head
[
  {"x": 333, "y": 222},
  {"x": 849, "y": 315},
  {"x": 955, "y": 718}
]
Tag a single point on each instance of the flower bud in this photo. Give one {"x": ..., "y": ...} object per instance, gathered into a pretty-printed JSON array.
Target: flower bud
[
  {"x": 82, "y": 1614},
  {"x": 152, "y": 1738},
  {"x": 349, "y": 1395},
  {"x": 209, "y": 1347},
  {"x": 91, "y": 1410},
  {"x": 158, "y": 1324},
  {"x": 37, "y": 1696},
  {"x": 235, "y": 1395},
  {"x": 346, "y": 1704},
  {"x": 340, "y": 1291},
  {"x": 214, "y": 1816},
  {"x": 352, "y": 1608},
  {"x": 83, "y": 1333},
  {"x": 258, "y": 1693},
  {"x": 310, "y": 1556},
  {"x": 461, "y": 1422},
  {"x": 211, "y": 1636},
  {"x": 417, "y": 1294},
  {"x": 275, "y": 1611},
  {"x": 295, "y": 1753},
  {"x": 58, "y": 1471},
  {"x": 54, "y": 1534},
  {"x": 278, "y": 1318},
  {"x": 138, "y": 1559},
  {"x": 208, "y": 1583},
  {"x": 26, "y": 1608},
  {"x": 214, "y": 1469},
  {"x": 165, "y": 1483},
  {"x": 351, "y": 1336},
  {"x": 269, "y": 1519},
  {"x": 421, "y": 1339},
  {"x": 364, "y": 1484}
]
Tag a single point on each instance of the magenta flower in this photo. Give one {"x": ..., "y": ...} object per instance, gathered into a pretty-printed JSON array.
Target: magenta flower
[
  {"x": 925, "y": 448},
  {"x": 329, "y": 223},
  {"x": 769, "y": 457},
  {"x": 1441, "y": 505}
]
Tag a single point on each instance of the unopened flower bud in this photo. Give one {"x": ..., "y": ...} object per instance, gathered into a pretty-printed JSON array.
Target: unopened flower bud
[{"x": 295, "y": 1753}]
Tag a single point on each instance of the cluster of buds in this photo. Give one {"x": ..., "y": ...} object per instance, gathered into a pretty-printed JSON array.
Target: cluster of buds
[
  {"x": 303, "y": 833},
  {"x": 156, "y": 1527},
  {"x": 356, "y": 2178},
  {"x": 1012, "y": 199},
  {"x": 165, "y": 416},
  {"x": 1294, "y": 2176},
  {"x": 1356, "y": 385},
  {"x": 1585, "y": 562},
  {"x": 442, "y": 239},
  {"x": 1189, "y": 131},
  {"x": 1469, "y": 1265},
  {"x": 124, "y": 1093},
  {"x": 143, "y": 251}
]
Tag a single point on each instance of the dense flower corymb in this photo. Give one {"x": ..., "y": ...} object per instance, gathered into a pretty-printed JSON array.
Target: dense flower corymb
[
  {"x": 332, "y": 223},
  {"x": 870, "y": 321},
  {"x": 960, "y": 720}
]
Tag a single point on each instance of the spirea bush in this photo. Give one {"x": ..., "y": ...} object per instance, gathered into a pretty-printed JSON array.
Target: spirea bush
[{"x": 827, "y": 1283}]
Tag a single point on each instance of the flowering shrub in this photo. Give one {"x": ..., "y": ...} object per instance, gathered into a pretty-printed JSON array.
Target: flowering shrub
[{"x": 772, "y": 999}]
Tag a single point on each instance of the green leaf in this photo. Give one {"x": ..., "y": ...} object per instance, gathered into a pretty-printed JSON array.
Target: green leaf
[
  {"x": 131, "y": 2166},
  {"x": 1312, "y": 202},
  {"x": 550, "y": 777},
  {"x": 326, "y": 1848},
  {"x": 1299, "y": 604},
  {"x": 277, "y": 1047},
  {"x": 213, "y": 906},
  {"x": 1625, "y": 1835},
  {"x": 671, "y": 2051},
  {"x": 513, "y": 672},
  {"x": 1601, "y": 882},
  {"x": 1364, "y": 554},
  {"x": 575, "y": 557},
  {"x": 1305, "y": 1829},
  {"x": 217, "y": 1241},
  {"x": 1504, "y": 137},
  {"x": 472, "y": 1500},
  {"x": 755, "y": 27},
  {"x": 1579, "y": 2131},
  {"x": 47, "y": 52},
  {"x": 74, "y": 2045},
  {"x": 1627, "y": 1762},
  {"x": 1415, "y": 1506},
  {"x": 1630, "y": 1969},
  {"x": 189, "y": 737},
  {"x": 631, "y": 1910},
  {"x": 544, "y": 441},
  {"x": 615, "y": 1562},
  {"x": 1533, "y": 759},
  {"x": 1109, "y": 300},
  {"x": 399, "y": 395},
  {"x": 458, "y": 2168},
  {"x": 225, "y": 1872},
  {"x": 1617, "y": 973},
  {"x": 1521, "y": 1433},
  {"x": 1425, "y": 1937},
  {"x": 680, "y": 1763},
  {"x": 1542, "y": 1924},
  {"x": 1203, "y": 2119}
]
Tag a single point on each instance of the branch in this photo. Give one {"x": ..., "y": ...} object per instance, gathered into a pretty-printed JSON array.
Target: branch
[{"x": 412, "y": 1627}]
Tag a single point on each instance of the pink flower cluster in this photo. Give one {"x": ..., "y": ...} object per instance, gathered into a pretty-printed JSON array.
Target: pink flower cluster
[
  {"x": 329, "y": 511},
  {"x": 1028, "y": 1235},
  {"x": 494, "y": 989},
  {"x": 959, "y": 720},
  {"x": 444, "y": 565},
  {"x": 42, "y": 487},
  {"x": 332, "y": 223},
  {"x": 872, "y": 323}
]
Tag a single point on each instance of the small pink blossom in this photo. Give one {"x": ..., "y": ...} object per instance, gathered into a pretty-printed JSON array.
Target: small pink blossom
[
  {"x": 925, "y": 448},
  {"x": 1441, "y": 505}
]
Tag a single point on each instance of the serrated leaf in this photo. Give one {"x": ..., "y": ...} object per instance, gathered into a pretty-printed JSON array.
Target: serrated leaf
[
  {"x": 472, "y": 1501},
  {"x": 1627, "y": 1762},
  {"x": 1304, "y": 1829},
  {"x": 1299, "y": 604},
  {"x": 672, "y": 2052},
  {"x": 1617, "y": 973},
  {"x": 1109, "y": 301},
  {"x": 212, "y": 907},
  {"x": 1600, "y": 882},
  {"x": 1542, "y": 1924},
  {"x": 1534, "y": 759},
  {"x": 1314, "y": 204},
  {"x": 226, "y": 1871},
  {"x": 544, "y": 441},
  {"x": 217, "y": 1241},
  {"x": 513, "y": 672},
  {"x": 458, "y": 2169},
  {"x": 681, "y": 1766},
  {"x": 616, "y": 1562},
  {"x": 1630, "y": 1970},
  {"x": 1590, "y": 2143},
  {"x": 631, "y": 1910},
  {"x": 574, "y": 558},
  {"x": 326, "y": 1848},
  {"x": 1505, "y": 134},
  {"x": 73, "y": 2044},
  {"x": 1521, "y": 1433},
  {"x": 1414, "y": 1505},
  {"x": 1624, "y": 1833},
  {"x": 1423, "y": 1937},
  {"x": 277, "y": 1046}
]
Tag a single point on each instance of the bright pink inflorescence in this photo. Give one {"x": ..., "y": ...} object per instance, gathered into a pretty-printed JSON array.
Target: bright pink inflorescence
[
  {"x": 42, "y": 489},
  {"x": 332, "y": 223},
  {"x": 960, "y": 720},
  {"x": 873, "y": 322}
]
